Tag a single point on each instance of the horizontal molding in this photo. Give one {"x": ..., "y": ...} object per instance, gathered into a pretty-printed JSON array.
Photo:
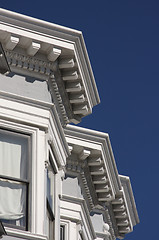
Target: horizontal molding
[
  {"x": 24, "y": 234},
  {"x": 31, "y": 64},
  {"x": 31, "y": 112},
  {"x": 78, "y": 213}
]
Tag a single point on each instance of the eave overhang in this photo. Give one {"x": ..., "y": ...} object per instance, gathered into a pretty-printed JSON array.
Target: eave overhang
[
  {"x": 91, "y": 153},
  {"x": 92, "y": 157},
  {"x": 123, "y": 209},
  {"x": 129, "y": 196},
  {"x": 53, "y": 53}
]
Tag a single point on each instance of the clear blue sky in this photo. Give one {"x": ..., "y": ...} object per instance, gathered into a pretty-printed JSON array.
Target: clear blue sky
[{"x": 122, "y": 39}]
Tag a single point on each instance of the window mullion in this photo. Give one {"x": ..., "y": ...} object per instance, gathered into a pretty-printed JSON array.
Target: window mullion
[{"x": 14, "y": 179}]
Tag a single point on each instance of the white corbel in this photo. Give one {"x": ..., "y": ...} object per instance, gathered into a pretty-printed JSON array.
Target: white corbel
[
  {"x": 102, "y": 188},
  {"x": 80, "y": 109},
  {"x": 97, "y": 170},
  {"x": 122, "y": 222},
  {"x": 124, "y": 230},
  {"x": 118, "y": 200},
  {"x": 118, "y": 208},
  {"x": 33, "y": 48},
  {"x": 120, "y": 214},
  {"x": 53, "y": 54},
  {"x": 104, "y": 197},
  {"x": 66, "y": 63},
  {"x": 11, "y": 42},
  {"x": 84, "y": 154},
  {"x": 95, "y": 161},
  {"x": 71, "y": 75},
  {"x": 76, "y": 98},
  {"x": 73, "y": 87},
  {"x": 99, "y": 179}
]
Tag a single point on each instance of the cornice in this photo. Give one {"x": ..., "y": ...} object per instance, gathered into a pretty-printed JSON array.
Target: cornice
[
  {"x": 121, "y": 215},
  {"x": 39, "y": 49},
  {"x": 30, "y": 22},
  {"x": 92, "y": 151},
  {"x": 105, "y": 188},
  {"x": 126, "y": 184},
  {"x": 123, "y": 209},
  {"x": 91, "y": 157}
]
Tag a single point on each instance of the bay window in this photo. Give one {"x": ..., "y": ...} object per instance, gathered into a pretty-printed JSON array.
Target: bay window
[{"x": 14, "y": 178}]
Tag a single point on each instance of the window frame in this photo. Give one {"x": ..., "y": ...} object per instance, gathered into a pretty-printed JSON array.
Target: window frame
[
  {"x": 40, "y": 120},
  {"x": 33, "y": 195},
  {"x": 26, "y": 182},
  {"x": 65, "y": 224},
  {"x": 62, "y": 232},
  {"x": 51, "y": 167}
]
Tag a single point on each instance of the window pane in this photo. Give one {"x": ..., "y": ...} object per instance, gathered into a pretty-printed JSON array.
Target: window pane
[
  {"x": 14, "y": 152},
  {"x": 50, "y": 188},
  {"x": 50, "y": 227},
  {"x": 13, "y": 155},
  {"x": 13, "y": 201}
]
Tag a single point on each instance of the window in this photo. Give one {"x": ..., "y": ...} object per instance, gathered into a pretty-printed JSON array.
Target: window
[
  {"x": 50, "y": 191},
  {"x": 50, "y": 226},
  {"x": 62, "y": 232},
  {"x": 50, "y": 197},
  {"x": 14, "y": 178}
]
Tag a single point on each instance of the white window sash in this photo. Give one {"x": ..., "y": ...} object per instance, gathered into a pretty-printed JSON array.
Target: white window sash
[{"x": 13, "y": 163}]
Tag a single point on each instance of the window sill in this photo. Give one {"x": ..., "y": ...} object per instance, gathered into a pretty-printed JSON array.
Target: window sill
[{"x": 24, "y": 234}]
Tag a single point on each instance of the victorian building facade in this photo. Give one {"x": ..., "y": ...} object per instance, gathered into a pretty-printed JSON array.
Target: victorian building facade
[{"x": 57, "y": 181}]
